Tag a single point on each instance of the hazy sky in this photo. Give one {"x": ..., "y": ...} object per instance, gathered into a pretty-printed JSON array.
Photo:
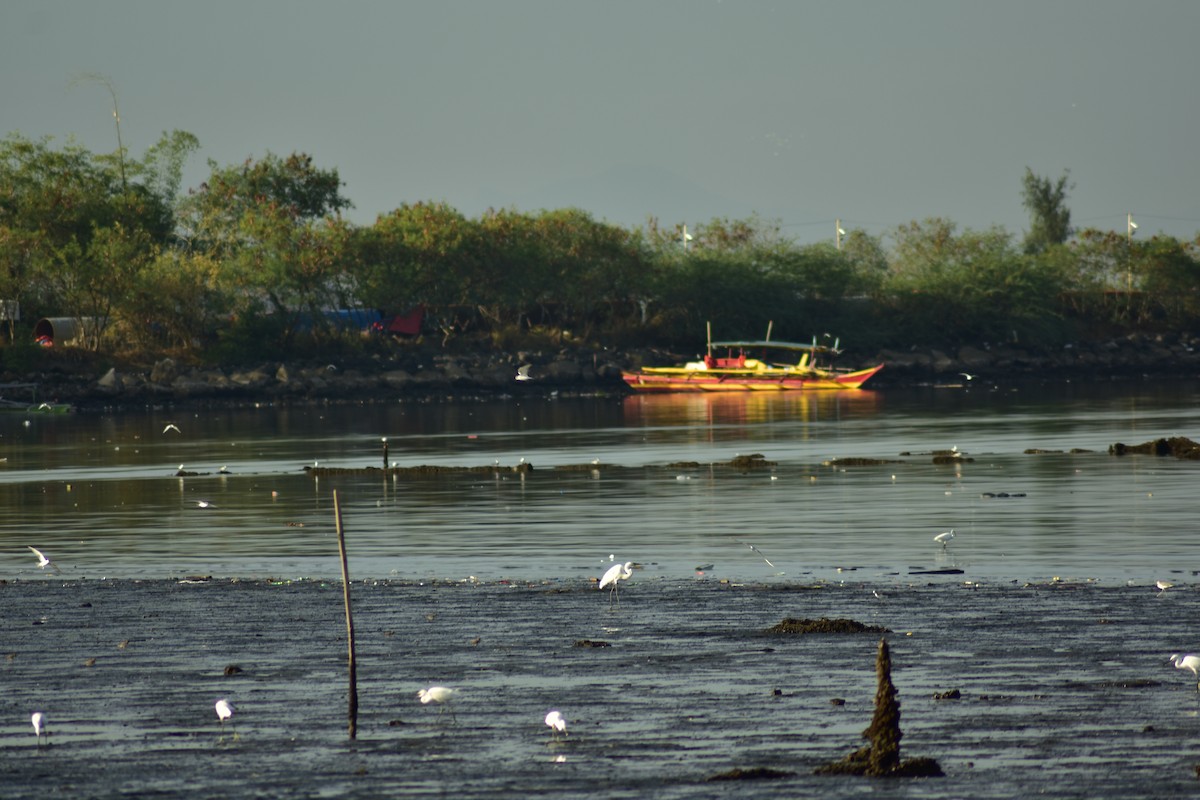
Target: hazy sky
[{"x": 875, "y": 112}]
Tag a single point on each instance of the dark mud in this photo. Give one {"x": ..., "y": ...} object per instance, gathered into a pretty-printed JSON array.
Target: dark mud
[{"x": 1064, "y": 689}]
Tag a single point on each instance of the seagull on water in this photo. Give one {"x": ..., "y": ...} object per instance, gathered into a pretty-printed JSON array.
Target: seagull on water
[
  {"x": 557, "y": 723},
  {"x": 944, "y": 538},
  {"x": 614, "y": 575},
  {"x": 43, "y": 561}
]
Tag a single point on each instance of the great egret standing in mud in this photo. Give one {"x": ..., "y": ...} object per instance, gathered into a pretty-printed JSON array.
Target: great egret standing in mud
[
  {"x": 557, "y": 723},
  {"x": 614, "y": 575},
  {"x": 1188, "y": 661},
  {"x": 440, "y": 695},
  {"x": 39, "y": 727},
  {"x": 225, "y": 711}
]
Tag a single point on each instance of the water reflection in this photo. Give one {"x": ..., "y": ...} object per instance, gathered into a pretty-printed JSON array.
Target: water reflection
[
  {"x": 100, "y": 493},
  {"x": 736, "y": 408}
]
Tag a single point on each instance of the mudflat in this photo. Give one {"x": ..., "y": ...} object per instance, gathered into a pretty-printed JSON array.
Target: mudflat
[{"x": 1061, "y": 687}]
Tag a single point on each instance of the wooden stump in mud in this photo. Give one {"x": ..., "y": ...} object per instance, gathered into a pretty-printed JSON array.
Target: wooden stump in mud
[{"x": 881, "y": 756}]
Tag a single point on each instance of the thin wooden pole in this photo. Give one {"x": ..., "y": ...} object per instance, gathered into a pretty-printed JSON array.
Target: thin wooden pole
[{"x": 341, "y": 537}]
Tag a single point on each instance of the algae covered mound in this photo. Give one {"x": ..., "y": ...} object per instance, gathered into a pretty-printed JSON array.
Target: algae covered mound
[{"x": 824, "y": 625}]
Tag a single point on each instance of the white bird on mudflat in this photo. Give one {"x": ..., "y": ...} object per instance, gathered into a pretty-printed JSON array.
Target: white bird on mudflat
[
  {"x": 944, "y": 538},
  {"x": 43, "y": 562},
  {"x": 1189, "y": 661},
  {"x": 225, "y": 711},
  {"x": 39, "y": 727},
  {"x": 1163, "y": 586},
  {"x": 438, "y": 694},
  {"x": 614, "y": 575},
  {"x": 557, "y": 723}
]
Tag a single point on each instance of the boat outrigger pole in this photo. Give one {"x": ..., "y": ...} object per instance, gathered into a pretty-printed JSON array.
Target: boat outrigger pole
[
  {"x": 770, "y": 322},
  {"x": 708, "y": 328}
]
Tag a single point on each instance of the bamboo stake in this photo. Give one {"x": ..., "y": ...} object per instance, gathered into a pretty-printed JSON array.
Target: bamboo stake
[{"x": 353, "y": 699}]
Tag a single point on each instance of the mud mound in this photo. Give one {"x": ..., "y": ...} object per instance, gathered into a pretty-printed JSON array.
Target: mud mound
[
  {"x": 824, "y": 625},
  {"x": 1178, "y": 446}
]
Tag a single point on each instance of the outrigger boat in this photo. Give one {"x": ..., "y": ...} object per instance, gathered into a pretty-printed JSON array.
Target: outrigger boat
[{"x": 753, "y": 366}]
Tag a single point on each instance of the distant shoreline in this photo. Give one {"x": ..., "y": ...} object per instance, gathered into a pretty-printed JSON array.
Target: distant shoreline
[{"x": 433, "y": 375}]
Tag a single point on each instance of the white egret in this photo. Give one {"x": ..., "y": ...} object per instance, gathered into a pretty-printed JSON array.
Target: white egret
[
  {"x": 614, "y": 575},
  {"x": 523, "y": 373},
  {"x": 557, "y": 723},
  {"x": 43, "y": 561},
  {"x": 440, "y": 695},
  {"x": 1188, "y": 661},
  {"x": 944, "y": 538},
  {"x": 39, "y": 727},
  {"x": 225, "y": 711}
]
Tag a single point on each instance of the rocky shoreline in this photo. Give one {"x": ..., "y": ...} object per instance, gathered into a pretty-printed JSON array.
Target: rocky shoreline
[{"x": 424, "y": 373}]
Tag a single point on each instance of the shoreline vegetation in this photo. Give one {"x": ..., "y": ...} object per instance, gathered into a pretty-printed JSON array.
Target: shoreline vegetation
[
  {"x": 429, "y": 372},
  {"x": 118, "y": 285}
]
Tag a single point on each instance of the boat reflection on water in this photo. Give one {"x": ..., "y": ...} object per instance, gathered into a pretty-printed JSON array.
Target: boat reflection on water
[{"x": 740, "y": 408}]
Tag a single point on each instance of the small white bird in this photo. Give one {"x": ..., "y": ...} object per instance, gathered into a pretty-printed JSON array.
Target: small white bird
[
  {"x": 205, "y": 504},
  {"x": 43, "y": 561},
  {"x": 171, "y": 426},
  {"x": 1163, "y": 586},
  {"x": 225, "y": 711},
  {"x": 1189, "y": 661},
  {"x": 523, "y": 373},
  {"x": 613, "y": 575},
  {"x": 438, "y": 694},
  {"x": 760, "y": 555},
  {"x": 557, "y": 723},
  {"x": 944, "y": 538},
  {"x": 967, "y": 376},
  {"x": 39, "y": 727}
]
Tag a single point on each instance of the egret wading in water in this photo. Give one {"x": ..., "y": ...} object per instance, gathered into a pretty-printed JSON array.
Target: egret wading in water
[
  {"x": 39, "y": 727},
  {"x": 557, "y": 724},
  {"x": 1188, "y": 661},
  {"x": 440, "y": 695},
  {"x": 614, "y": 575},
  {"x": 944, "y": 538},
  {"x": 225, "y": 711},
  {"x": 43, "y": 562}
]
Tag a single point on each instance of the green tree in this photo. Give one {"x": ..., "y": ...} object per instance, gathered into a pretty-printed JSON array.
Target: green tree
[
  {"x": 274, "y": 226},
  {"x": 1049, "y": 217}
]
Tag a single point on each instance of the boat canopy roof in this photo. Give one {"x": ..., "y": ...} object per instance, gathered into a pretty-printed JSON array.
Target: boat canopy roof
[{"x": 810, "y": 347}]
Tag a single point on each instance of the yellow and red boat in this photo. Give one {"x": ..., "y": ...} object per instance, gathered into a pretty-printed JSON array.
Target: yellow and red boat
[{"x": 753, "y": 366}]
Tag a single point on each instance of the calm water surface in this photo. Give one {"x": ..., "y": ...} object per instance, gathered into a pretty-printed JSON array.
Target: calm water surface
[{"x": 99, "y": 492}]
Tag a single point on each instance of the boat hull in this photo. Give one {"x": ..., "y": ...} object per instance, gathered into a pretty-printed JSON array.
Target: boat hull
[{"x": 680, "y": 379}]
